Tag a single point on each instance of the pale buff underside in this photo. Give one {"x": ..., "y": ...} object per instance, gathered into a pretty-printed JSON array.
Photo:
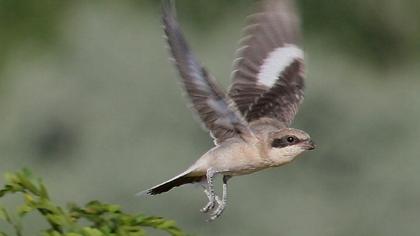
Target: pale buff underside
[{"x": 237, "y": 157}]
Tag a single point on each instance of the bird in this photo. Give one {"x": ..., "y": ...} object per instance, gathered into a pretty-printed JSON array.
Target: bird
[{"x": 250, "y": 123}]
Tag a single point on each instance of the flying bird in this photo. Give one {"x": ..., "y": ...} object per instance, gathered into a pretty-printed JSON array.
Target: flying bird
[{"x": 250, "y": 124}]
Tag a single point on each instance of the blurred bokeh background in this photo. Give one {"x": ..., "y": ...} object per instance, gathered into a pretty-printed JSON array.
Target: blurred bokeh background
[{"x": 90, "y": 102}]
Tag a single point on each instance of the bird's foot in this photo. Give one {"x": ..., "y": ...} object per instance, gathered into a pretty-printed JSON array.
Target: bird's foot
[
  {"x": 219, "y": 210},
  {"x": 209, "y": 206}
]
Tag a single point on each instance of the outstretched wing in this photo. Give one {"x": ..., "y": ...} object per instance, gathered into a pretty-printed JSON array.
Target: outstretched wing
[
  {"x": 268, "y": 72},
  {"x": 214, "y": 108}
]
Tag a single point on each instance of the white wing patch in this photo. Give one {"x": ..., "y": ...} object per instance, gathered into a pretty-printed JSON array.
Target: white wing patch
[{"x": 276, "y": 62}]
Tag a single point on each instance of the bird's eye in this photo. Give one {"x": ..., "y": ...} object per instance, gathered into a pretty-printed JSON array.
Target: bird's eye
[{"x": 291, "y": 139}]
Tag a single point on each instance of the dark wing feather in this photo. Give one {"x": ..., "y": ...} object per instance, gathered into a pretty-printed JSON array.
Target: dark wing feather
[
  {"x": 268, "y": 49},
  {"x": 214, "y": 108},
  {"x": 282, "y": 101}
]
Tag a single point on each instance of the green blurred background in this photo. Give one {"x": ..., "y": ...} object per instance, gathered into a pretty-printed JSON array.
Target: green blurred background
[{"x": 89, "y": 101}]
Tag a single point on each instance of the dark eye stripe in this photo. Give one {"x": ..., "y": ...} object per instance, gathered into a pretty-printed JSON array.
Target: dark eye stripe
[
  {"x": 279, "y": 143},
  {"x": 284, "y": 141}
]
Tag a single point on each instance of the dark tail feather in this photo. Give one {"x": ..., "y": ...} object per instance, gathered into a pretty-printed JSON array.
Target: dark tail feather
[{"x": 174, "y": 182}]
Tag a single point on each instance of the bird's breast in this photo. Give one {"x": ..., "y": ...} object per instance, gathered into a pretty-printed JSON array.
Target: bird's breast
[{"x": 236, "y": 159}]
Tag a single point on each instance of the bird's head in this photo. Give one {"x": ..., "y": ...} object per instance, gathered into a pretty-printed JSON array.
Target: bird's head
[{"x": 286, "y": 144}]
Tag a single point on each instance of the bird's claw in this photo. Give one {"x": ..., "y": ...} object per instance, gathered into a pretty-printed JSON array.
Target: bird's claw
[
  {"x": 210, "y": 205},
  {"x": 218, "y": 212}
]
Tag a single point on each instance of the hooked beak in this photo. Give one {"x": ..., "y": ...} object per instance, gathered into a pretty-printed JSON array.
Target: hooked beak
[{"x": 310, "y": 145}]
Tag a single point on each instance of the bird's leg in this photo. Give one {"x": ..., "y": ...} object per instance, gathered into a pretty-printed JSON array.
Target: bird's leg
[
  {"x": 209, "y": 191},
  {"x": 222, "y": 203},
  {"x": 206, "y": 191}
]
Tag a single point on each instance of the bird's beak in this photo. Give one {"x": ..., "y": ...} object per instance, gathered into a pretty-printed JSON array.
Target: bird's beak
[{"x": 310, "y": 145}]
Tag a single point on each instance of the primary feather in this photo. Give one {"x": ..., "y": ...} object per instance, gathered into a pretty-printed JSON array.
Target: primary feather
[
  {"x": 268, "y": 73},
  {"x": 215, "y": 109}
]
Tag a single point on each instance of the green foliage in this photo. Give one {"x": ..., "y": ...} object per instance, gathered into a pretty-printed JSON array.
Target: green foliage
[{"x": 102, "y": 219}]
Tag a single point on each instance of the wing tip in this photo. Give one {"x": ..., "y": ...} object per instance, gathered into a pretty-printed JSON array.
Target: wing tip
[
  {"x": 168, "y": 10},
  {"x": 168, "y": 6}
]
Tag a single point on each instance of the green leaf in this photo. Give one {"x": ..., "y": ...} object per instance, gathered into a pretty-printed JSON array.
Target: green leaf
[
  {"x": 43, "y": 192},
  {"x": 27, "y": 183},
  {"x": 91, "y": 232},
  {"x": 113, "y": 208},
  {"x": 10, "y": 178},
  {"x": 57, "y": 219},
  {"x": 48, "y": 207},
  {"x": 51, "y": 233},
  {"x": 94, "y": 219},
  {"x": 3, "y": 214},
  {"x": 24, "y": 209},
  {"x": 29, "y": 200},
  {"x": 160, "y": 223},
  {"x": 5, "y": 191},
  {"x": 73, "y": 234}
]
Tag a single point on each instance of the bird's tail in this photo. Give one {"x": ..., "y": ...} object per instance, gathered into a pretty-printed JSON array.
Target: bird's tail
[{"x": 184, "y": 178}]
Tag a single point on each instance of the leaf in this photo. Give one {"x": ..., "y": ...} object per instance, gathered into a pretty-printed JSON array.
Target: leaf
[
  {"x": 43, "y": 192},
  {"x": 94, "y": 219},
  {"x": 12, "y": 183},
  {"x": 57, "y": 219},
  {"x": 51, "y": 233},
  {"x": 3, "y": 214},
  {"x": 29, "y": 200},
  {"x": 25, "y": 182},
  {"x": 72, "y": 234},
  {"x": 5, "y": 190},
  {"x": 91, "y": 232},
  {"x": 48, "y": 207},
  {"x": 10, "y": 178},
  {"x": 160, "y": 223},
  {"x": 24, "y": 209},
  {"x": 113, "y": 208}
]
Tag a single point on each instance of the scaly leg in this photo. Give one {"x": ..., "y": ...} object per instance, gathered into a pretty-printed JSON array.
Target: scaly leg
[
  {"x": 209, "y": 191},
  {"x": 222, "y": 204}
]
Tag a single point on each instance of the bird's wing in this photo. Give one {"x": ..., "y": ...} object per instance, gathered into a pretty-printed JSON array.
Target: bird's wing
[
  {"x": 268, "y": 72},
  {"x": 218, "y": 113}
]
